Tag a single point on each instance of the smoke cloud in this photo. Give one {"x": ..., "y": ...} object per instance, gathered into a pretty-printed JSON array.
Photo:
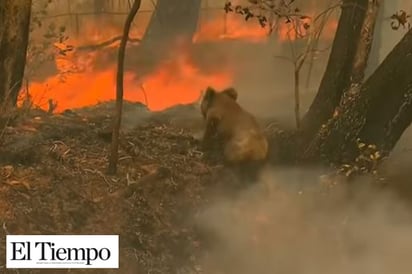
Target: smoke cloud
[{"x": 291, "y": 222}]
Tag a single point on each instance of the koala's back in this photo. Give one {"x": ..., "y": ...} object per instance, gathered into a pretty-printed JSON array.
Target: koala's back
[{"x": 244, "y": 138}]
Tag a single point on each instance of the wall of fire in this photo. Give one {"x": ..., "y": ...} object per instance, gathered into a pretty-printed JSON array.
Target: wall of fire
[{"x": 270, "y": 79}]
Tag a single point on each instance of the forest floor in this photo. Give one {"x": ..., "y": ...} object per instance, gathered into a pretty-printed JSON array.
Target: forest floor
[{"x": 53, "y": 181}]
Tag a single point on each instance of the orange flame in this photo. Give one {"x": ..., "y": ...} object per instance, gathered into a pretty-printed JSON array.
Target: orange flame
[{"x": 178, "y": 81}]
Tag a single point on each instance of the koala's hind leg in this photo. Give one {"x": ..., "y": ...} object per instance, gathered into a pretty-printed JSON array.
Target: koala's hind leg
[{"x": 249, "y": 171}]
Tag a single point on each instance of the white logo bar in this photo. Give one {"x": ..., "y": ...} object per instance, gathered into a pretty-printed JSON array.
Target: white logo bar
[{"x": 62, "y": 251}]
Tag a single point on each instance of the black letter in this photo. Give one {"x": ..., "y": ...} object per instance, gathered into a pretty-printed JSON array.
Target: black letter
[
  {"x": 76, "y": 254},
  {"x": 20, "y": 251},
  {"x": 101, "y": 254},
  {"x": 58, "y": 253},
  {"x": 88, "y": 255},
  {"x": 42, "y": 249}
]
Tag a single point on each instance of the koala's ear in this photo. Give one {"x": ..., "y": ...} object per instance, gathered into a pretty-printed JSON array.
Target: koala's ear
[
  {"x": 209, "y": 93},
  {"x": 231, "y": 92}
]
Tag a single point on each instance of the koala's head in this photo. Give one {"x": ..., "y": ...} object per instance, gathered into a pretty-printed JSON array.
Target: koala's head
[{"x": 210, "y": 95}]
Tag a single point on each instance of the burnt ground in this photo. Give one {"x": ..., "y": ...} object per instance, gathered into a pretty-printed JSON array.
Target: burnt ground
[{"x": 53, "y": 181}]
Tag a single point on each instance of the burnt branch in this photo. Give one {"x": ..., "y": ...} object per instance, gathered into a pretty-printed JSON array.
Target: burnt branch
[
  {"x": 107, "y": 43},
  {"x": 268, "y": 12}
]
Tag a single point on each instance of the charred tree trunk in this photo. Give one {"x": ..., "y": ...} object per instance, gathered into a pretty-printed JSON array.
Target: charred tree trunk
[
  {"x": 174, "y": 22},
  {"x": 14, "y": 37},
  {"x": 171, "y": 20},
  {"x": 378, "y": 113},
  {"x": 112, "y": 169},
  {"x": 100, "y": 8},
  {"x": 99, "y": 5},
  {"x": 338, "y": 71},
  {"x": 359, "y": 65}
]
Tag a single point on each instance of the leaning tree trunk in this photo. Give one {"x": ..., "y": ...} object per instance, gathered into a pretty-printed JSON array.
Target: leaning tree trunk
[
  {"x": 378, "y": 113},
  {"x": 173, "y": 23},
  {"x": 14, "y": 37},
  {"x": 377, "y": 42},
  {"x": 338, "y": 71}
]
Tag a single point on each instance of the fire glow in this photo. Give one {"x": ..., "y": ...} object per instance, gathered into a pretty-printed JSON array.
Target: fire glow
[{"x": 177, "y": 81}]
